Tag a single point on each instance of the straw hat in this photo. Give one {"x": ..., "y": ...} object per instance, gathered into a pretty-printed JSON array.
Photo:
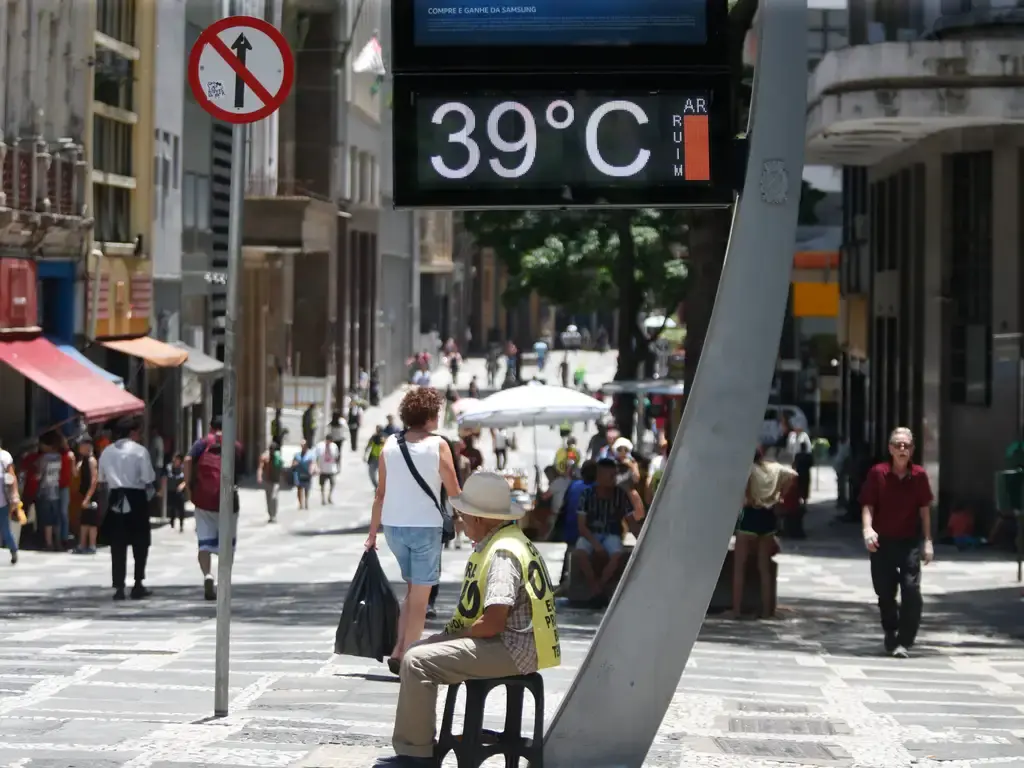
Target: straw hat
[{"x": 486, "y": 494}]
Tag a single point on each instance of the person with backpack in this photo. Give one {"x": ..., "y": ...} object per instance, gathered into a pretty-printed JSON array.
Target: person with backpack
[
  {"x": 268, "y": 475},
  {"x": 202, "y": 479}
]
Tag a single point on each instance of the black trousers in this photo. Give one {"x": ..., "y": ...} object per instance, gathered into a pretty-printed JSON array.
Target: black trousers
[
  {"x": 896, "y": 566},
  {"x": 353, "y": 434}
]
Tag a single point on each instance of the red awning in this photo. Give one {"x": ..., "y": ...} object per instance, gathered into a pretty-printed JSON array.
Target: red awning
[{"x": 66, "y": 379}]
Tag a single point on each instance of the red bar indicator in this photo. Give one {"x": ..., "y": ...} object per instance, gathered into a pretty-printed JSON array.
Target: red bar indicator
[{"x": 696, "y": 148}]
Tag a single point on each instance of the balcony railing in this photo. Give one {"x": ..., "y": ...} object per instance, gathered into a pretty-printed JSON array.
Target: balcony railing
[
  {"x": 270, "y": 186},
  {"x": 41, "y": 177}
]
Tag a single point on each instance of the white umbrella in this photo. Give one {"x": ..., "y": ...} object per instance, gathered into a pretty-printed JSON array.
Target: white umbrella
[
  {"x": 532, "y": 405},
  {"x": 656, "y": 322}
]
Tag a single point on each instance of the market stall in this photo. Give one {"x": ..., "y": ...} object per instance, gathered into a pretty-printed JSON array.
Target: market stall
[{"x": 531, "y": 405}]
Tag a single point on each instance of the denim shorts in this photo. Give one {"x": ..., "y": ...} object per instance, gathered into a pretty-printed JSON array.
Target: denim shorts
[
  {"x": 612, "y": 543},
  {"x": 48, "y": 513},
  {"x": 418, "y": 552}
]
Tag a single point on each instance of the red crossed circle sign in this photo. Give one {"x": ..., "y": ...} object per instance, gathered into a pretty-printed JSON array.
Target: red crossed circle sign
[{"x": 241, "y": 69}]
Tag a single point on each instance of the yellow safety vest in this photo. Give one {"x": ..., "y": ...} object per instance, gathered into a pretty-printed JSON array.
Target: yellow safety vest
[{"x": 538, "y": 587}]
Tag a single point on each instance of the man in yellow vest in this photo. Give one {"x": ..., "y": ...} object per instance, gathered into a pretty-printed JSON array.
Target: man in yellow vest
[{"x": 504, "y": 623}]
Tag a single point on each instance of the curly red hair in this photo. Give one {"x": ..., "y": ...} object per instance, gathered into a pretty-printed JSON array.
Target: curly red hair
[{"x": 419, "y": 406}]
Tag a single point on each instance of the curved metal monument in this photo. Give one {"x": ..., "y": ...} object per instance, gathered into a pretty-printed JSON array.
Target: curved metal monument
[{"x": 616, "y": 704}]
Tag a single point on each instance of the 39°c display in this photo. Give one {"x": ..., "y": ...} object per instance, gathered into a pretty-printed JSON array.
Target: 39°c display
[{"x": 575, "y": 147}]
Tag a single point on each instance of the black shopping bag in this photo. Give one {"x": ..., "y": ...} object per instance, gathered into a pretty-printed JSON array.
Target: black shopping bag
[{"x": 369, "y": 618}]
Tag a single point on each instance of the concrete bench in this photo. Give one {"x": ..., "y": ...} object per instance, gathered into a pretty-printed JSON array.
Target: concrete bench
[
  {"x": 721, "y": 600},
  {"x": 578, "y": 592}
]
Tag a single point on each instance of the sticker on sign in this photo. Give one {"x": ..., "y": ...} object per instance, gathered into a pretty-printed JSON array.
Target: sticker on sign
[{"x": 241, "y": 69}]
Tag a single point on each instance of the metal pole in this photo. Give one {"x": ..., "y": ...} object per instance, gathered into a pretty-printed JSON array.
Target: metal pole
[
  {"x": 637, "y": 658},
  {"x": 227, "y": 520}
]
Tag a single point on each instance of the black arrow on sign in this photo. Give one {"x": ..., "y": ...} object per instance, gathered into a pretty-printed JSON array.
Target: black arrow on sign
[{"x": 241, "y": 46}]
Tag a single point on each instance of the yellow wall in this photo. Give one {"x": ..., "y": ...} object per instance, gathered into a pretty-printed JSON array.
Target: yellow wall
[
  {"x": 815, "y": 299},
  {"x": 145, "y": 88},
  {"x": 125, "y": 307}
]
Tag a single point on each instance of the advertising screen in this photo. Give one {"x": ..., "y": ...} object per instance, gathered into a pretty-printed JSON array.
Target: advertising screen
[
  {"x": 560, "y": 22},
  {"x": 430, "y": 36},
  {"x": 533, "y": 146}
]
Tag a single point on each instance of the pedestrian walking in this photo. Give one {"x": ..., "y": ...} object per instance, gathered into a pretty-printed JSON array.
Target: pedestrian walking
[
  {"x": 126, "y": 468},
  {"x": 414, "y": 468},
  {"x": 268, "y": 475},
  {"x": 896, "y": 517},
  {"x": 501, "y": 449},
  {"x": 355, "y": 420},
  {"x": 88, "y": 482},
  {"x": 374, "y": 448},
  {"x": 336, "y": 431},
  {"x": 48, "y": 493},
  {"x": 202, "y": 478},
  {"x": 10, "y": 504},
  {"x": 303, "y": 468},
  {"x": 328, "y": 462},
  {"x": 176, "y": 491}
]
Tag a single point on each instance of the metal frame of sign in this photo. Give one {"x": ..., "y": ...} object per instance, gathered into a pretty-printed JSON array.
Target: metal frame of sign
[
  {"x": 407, "y": 57},
  {"x": 408, "y": 193}
]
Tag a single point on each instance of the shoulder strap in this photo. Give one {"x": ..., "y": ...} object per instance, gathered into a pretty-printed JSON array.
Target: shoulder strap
[{"x": 400, "y": 437}]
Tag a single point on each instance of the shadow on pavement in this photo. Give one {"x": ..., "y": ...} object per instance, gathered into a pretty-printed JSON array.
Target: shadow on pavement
[
  {"x": 356, "y": 529},
  {"x": 982, "y": 621},
  {"x": 313, "y": 605}
]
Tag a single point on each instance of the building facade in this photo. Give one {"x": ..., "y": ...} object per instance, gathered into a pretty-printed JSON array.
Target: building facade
[
  {"x": 925, "y": 110},
  {"x": 66, "y": 164}
]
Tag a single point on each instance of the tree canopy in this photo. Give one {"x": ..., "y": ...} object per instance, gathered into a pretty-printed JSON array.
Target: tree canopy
[{"x": 575, "y": 259}]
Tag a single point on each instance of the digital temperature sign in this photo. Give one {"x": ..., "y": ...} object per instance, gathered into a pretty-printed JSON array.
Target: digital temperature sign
[{"x": 550, "y": 147}]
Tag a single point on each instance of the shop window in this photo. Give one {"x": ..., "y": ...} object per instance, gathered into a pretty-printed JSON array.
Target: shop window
[{"x": 968, "y": 203}]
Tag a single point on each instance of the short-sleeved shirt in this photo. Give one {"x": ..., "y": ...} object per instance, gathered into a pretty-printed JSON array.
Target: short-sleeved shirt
[
  {"x": 896, "y": 501},
  {"x": 49, "y": 476},
  {"x": 126, "y": 464},
  {"x": 376, "y": 446},
  {"x": 6, "y": 461},
  {"x": 604, "y": 514}
]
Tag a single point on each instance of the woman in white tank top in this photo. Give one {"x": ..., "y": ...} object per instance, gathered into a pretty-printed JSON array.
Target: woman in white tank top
[{"x": 410, "y": 516}]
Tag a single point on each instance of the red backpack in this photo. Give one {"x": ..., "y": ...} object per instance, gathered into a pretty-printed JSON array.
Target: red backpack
[{"x": 206, "y": 476}]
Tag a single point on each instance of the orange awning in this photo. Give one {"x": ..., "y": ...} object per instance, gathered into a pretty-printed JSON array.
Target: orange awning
[{"x": 156, "y": 353}]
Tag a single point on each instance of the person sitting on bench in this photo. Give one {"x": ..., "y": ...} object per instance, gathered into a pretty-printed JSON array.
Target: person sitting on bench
[
  {"x": 504, "y": 623},
  {"x": 600, "y": 513}
]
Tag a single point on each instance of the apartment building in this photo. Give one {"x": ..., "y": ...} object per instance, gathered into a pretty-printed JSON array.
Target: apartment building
[
  {"x": 69, "y": 152},
  {"x": 925, "y": 110}
]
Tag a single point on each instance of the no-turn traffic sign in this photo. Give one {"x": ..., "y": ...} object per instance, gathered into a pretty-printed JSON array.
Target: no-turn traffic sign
[{"x": 241, "y": 69}]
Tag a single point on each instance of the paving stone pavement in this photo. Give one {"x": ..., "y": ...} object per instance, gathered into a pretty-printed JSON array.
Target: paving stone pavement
[{"x": 87, "y": 683}]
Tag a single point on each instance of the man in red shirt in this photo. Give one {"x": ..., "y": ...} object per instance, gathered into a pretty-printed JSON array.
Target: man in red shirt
[{"x": 896, "y": 514}]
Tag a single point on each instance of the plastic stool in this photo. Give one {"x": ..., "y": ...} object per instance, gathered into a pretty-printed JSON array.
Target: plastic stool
[{"x": 475, "y": 745}]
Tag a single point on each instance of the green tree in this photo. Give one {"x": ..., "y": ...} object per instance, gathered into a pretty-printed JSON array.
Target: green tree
[
  {"x": 588, "y": 259},
  {"x": 709, "y": 229}
]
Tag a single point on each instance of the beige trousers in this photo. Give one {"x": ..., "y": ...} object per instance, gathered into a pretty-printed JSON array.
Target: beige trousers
[{"x": 446, "y": 662}]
